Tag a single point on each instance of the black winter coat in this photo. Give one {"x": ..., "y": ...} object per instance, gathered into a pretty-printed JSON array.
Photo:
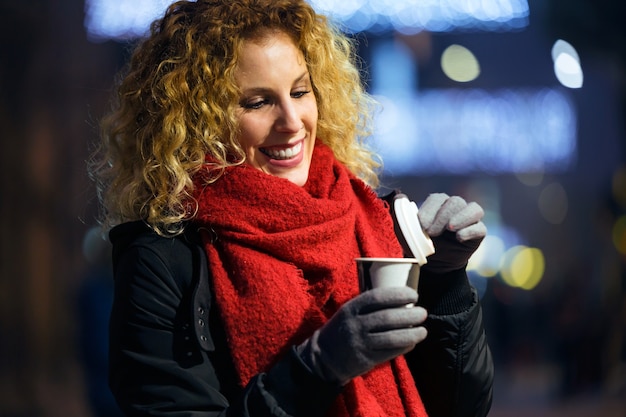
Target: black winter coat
[{"x": 169, "y": 358}]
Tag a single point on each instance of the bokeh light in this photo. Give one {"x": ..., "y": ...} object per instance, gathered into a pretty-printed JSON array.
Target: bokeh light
[
  {"x": 567, "y": 64},
  {"x": 487, "y": 258},
  {"x": 460, "y": 64},
  {"x": 523, "y": 267}
]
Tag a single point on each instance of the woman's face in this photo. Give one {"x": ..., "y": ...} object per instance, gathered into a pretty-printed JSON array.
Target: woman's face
[{"x": 277, "y": 110}]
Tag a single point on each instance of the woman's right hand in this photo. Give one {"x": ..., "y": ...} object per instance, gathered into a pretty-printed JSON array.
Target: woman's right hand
[{"x": 372, "y": 328}]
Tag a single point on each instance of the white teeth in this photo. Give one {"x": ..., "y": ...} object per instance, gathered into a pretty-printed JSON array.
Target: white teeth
[{"x": 283, "y": 153}]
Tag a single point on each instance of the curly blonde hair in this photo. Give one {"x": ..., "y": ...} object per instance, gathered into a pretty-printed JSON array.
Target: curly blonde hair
[{"x": 176, "y": 104}]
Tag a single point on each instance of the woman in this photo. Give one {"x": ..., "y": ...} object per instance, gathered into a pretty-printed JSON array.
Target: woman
[{"x": 240, "y": 191}]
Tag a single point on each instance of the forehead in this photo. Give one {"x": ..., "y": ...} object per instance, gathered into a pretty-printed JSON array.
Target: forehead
[{"x": 275, "y": 53}]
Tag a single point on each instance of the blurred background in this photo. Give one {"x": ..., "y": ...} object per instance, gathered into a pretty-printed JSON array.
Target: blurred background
[{"x": 516, "y": 104}]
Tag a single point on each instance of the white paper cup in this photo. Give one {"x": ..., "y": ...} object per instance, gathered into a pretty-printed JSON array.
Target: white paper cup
[{"x": 388, "y": 272}]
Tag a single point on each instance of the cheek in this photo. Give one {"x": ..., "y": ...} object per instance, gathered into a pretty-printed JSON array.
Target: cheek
[
  {"x": 315, "y": 109},
  {"x": 248, "y": 132},
  {"x": 312, "y": 114}
]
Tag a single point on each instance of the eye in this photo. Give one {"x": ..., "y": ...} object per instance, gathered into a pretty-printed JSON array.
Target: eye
[
  {"x": 254, "y": 104},
  {"x": 300, "y": 94}
]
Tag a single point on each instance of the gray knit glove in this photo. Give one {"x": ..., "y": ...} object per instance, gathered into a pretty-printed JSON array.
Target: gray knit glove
[
  {"x": 372, "y": 328},
  {"x": 455, "y": 228}
]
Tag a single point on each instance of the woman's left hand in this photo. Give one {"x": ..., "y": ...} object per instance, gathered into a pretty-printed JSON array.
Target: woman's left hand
[{"x": 456, "y": 229}]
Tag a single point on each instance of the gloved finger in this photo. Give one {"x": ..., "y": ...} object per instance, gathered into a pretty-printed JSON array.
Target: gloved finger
[
  {"x": 473, "y": 232},
  {"x": 398, "y": 340},
  {"x": 427, "y": 212},
  {"x": 394, "y": 318},
  {"x": 381, "y": 298},
  {"x": 470, "y": 214},
  {"x": 448, "y": 210}
]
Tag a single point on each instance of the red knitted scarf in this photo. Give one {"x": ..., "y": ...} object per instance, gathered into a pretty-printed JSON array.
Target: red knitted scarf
[{"x": 282, "y": 261}]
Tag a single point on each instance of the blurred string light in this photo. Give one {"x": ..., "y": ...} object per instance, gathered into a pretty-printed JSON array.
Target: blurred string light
[
  {"x": 567, "y": 64},
  {"x": 457, "y": 131},
  {"x": 412, "y": 16},
  {"x": 129, "y": 19}
]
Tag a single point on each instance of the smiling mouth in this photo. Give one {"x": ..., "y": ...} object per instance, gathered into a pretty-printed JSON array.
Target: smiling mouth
[{"x": 282, "y": 153}]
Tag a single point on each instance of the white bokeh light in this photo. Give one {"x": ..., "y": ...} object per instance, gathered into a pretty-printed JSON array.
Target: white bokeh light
[{"x": 567, "y": 66}]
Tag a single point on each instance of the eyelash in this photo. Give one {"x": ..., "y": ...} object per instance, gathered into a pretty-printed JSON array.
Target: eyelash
[{"x": 258, "y": 104}]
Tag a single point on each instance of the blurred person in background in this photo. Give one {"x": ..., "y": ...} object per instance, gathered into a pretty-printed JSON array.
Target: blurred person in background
[{"x": 238, "y": 191}]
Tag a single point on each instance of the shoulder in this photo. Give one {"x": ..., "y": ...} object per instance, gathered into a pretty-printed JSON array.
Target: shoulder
[{"x": 136, "y": 245}]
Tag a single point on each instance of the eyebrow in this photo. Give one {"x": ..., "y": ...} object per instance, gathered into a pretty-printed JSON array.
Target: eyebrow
[{"x": 262, "y": 90}]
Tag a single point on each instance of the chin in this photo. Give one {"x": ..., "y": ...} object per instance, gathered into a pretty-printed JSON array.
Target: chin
[
  {"x": 298, "y": 176},
  {"x": 299, "y": 180}
]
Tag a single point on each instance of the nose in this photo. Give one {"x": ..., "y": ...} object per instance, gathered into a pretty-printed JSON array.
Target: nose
[{"x": 288, "y": 119}]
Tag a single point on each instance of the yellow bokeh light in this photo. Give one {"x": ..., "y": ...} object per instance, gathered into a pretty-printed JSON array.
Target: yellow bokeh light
[
  {"x": 505, "y": 266},
  {"x": 460, "y": 64},
  {"x": 523, "y": 267},
  {"x": 619, "y": 235}
]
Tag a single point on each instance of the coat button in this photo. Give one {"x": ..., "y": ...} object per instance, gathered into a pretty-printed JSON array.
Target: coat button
[{"x": 201, "y": 323}]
